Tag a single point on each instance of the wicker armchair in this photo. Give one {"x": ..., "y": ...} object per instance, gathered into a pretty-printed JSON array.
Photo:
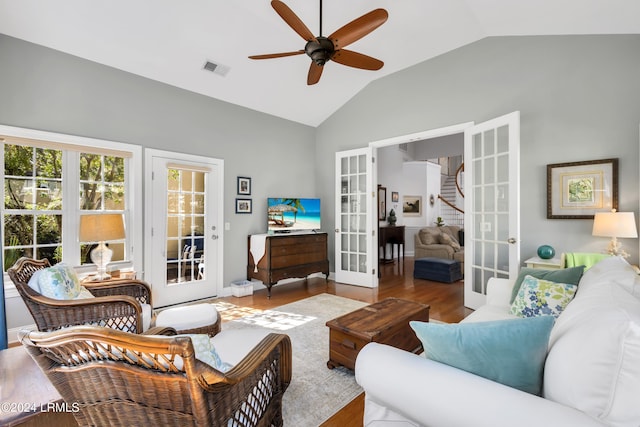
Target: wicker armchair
[
  {"x": 120, "y": 379},
  {"x": 117, "y": 303}
]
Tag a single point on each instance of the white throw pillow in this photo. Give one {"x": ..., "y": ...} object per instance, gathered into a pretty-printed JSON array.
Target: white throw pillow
[{"x": 593, "y": 363}]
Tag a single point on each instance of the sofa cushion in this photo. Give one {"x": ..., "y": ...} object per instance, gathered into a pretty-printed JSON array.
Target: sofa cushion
[
  {"x": 539, "y": 297},
  {"x": 570, "y": 276},
  {"x": 511, "y": 352},
  {"x": 594, "y": 353},
  {"x": 446, "y": 239},
  {"x": 429, "y": 236},
  {"x": 613, "y": 270}
]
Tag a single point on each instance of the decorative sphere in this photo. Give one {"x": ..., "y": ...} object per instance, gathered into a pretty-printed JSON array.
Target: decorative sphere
[{"x": 546, "y": 252}]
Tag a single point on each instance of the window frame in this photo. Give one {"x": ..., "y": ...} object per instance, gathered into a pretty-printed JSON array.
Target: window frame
[{"x": 71, "y": 209}]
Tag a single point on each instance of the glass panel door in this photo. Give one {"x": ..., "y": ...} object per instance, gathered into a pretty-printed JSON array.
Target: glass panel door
[
  {"x": 491, "y": 204},
  {"x": 354, "y": 227},
  {"x": 184, "y": 258}
]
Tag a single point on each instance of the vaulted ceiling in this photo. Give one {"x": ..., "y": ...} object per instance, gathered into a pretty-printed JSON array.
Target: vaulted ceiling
[{"x": 170, "y": 41}]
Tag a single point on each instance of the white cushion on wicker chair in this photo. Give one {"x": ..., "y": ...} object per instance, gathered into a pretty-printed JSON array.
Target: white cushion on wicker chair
[
  {"x": 233, "y": 345},
  {"x": 146, "y": 316},
  {"x": 188, "y": 317}
]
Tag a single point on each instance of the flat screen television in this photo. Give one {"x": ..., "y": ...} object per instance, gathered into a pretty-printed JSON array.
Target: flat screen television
[{"x": 292, "y": 215}]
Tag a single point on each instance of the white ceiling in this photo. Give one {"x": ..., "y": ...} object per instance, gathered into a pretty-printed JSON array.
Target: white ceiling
[{"x": 170, "y": 41}]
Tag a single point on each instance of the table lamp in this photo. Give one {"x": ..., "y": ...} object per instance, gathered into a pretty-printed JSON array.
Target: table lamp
[
  {"x": 100, "y": 228},
  {"x": 615, "y": 224}
]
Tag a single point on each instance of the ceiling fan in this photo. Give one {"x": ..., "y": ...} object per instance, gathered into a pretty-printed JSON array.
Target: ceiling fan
[{"x": 322, "y": 49}]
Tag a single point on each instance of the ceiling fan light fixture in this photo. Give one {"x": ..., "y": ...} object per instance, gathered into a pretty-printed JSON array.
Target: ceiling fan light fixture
[{"x": 320, "y": 50}]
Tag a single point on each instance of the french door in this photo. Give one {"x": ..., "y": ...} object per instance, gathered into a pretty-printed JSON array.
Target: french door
[
  {"x": 492, "y": 204},
  {"x": 183, "y": 259},
  {"x": 355, "y": 251}
]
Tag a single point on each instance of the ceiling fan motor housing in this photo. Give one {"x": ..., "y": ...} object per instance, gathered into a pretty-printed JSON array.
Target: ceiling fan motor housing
[{"x": 320, "y": 51}]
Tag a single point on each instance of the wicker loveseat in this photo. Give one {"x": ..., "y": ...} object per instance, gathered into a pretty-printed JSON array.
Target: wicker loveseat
[
  {"x": 440, "y": 242},
  {"x": 112, "y": 378}
]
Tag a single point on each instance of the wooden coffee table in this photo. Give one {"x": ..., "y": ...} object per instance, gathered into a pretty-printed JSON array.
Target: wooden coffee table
[{"x": 385, "y": 322}]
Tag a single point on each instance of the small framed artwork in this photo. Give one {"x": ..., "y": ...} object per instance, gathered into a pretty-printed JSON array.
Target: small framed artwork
[
  {"x": 412, "y": 205},
  {"x": 382, "y": 203},
  {"x": 580, "y": 189},
  {"x": 395, "y": 198},
  {"x": 243, "y": 206},
  {"x": 244, "y": 186}
]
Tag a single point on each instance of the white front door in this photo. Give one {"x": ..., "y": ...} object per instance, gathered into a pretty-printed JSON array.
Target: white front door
[
  {"x": 183, "y": 256},
  {"x": 355, "y": 251},
  {"x": 492, "y": 204}
]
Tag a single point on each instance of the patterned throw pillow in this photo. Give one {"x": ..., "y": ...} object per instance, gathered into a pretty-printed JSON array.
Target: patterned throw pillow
[
  {"x": 59, "y": 282},
  {"x": 205, "y": 352},
  {"x": 539, "y": 297}
]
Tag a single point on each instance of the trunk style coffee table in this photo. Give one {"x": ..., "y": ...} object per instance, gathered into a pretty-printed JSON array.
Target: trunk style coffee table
[{"x": 385, "y": 322}]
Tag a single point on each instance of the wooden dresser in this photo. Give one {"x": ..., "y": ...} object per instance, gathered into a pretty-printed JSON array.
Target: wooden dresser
[{"x": 289, "y": 256}]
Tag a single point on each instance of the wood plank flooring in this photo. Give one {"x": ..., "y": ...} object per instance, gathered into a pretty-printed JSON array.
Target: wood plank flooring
[{"x": 446, "y": 301}]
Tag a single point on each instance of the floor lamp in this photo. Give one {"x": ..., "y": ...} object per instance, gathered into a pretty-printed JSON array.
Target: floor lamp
[
  {"x": 101, "y": 228},
  {"x": 615, "y": 224}
]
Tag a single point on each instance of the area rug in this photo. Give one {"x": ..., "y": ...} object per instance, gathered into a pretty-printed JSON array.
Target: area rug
[{"x": 315, "y": 392}]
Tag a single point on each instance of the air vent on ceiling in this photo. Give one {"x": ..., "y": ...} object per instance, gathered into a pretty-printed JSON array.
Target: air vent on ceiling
[{"x": 216, "y": 68}]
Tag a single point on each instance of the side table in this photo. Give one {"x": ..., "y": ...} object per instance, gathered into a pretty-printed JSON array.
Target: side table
[{"x": 547, "y": 264}]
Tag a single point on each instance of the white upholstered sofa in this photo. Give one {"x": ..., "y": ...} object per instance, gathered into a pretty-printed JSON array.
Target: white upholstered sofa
[{"x": 591, "y": 372}]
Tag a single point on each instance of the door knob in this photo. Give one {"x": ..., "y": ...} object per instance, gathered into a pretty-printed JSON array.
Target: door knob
[{"x": 511, "y": 240}]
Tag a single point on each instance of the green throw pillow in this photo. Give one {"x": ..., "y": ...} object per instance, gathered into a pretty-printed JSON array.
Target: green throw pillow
[
  {"x": 539, "y": 297},
  {"x": 570, "y": 276},
  {"x": 511, "y": 352}
]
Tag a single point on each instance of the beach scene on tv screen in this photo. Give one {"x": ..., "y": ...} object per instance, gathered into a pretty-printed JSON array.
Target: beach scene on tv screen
[{"x": 293, "y": 214}]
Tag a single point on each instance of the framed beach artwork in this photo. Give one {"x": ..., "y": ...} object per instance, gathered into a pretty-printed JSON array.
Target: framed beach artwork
[
  {"x": 243, "y": 206},
  {"x": 244, "y": 186},
  {"x": 580, "y": 189},
  {"x": 412, "y": 205}
]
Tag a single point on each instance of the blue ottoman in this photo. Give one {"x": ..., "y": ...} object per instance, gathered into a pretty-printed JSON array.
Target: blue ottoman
[{"x": 437, "y": 269}]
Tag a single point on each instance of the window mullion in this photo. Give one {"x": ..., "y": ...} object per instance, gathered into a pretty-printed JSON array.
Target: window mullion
[{"x": 70, "y": 207}]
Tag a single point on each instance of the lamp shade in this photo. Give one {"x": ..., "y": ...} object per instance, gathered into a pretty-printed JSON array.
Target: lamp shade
[
  {"x": 614, "y": 224},
  {"x": 101, "y": 227}
]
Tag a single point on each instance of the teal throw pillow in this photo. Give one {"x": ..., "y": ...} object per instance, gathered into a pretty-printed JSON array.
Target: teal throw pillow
[
  {"x": 539, "y": 297},
  {"x": 570, "y": 276},
  {"x": 511, "y": 352},
  {"x": 59, "y": 282}
]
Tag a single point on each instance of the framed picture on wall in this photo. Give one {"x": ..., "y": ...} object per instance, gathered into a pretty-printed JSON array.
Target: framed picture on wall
[
  {"x": 412, "y": 205},
  {"x": 243, "y": 206},
  {"x": 394, "y": 197},
  {"x": 244, "y": 186},
  {"x": 578, "y": 190}
]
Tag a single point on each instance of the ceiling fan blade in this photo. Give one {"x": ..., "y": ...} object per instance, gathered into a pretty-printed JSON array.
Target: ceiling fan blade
[
  {"x": 357, "y": 60},
  {"x": 358, "y": 28},
  {"x": 292, "y": 20},
  {"x": 276, "y": 55},
  {"x": 315, "y": 71}
]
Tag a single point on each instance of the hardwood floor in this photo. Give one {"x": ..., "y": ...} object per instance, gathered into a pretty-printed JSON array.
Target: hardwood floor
[{"x": 446, "y": 301}]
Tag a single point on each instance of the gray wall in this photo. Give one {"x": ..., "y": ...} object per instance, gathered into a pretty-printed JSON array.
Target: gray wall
[
  {"x": 579, "y": 98},
  {"x": 44, "y": 89}
]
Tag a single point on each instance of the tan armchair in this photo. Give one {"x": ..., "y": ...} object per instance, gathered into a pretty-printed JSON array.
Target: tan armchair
[
  {"x": 114, "y": 378},
  {"x": 118, "y": 304},
  {"x": 430, "y": 243}
]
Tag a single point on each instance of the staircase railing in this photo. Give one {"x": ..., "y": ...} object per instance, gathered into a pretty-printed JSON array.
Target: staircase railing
[{"x": 458, "y": 188}]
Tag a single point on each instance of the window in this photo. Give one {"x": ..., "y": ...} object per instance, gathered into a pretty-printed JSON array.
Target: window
[{"x": 49, "y": 180}]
